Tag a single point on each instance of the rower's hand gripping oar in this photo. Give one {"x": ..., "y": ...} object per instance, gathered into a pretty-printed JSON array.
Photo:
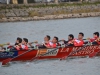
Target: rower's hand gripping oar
[
  {"x": 1, "y": 45},
  {"x": 4, "y": 62}
]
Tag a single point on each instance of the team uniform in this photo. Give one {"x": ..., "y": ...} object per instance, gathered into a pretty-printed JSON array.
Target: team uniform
[
  {"x": 53, "y": 45},
  {"x": 69, "y": 43},
  {"x": 95, "y": 40},
  {"x": 22, "y": 47},
  {"x": 78, "y": 42}
]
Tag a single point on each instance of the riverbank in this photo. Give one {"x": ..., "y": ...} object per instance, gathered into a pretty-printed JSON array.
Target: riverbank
[{"x": 31, "y": 12}]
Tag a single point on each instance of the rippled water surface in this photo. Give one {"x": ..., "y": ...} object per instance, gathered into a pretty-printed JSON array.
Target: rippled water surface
[{"x": 36, "y": 30}]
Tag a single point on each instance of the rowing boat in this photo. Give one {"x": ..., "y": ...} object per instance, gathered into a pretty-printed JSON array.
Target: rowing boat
[{"x": 58, "y": 53}]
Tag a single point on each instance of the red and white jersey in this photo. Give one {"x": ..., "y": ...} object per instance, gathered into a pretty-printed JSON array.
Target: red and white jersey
[
  {"x": 93, "y": 39},
  {"x": 46, "y": 43},
  {"x": 53, "y": 45},
  {"x": 78, "y": 42},
  {"x": 70, "y": 42},
  {"x": 24, "y": 47},
  {"x": 98, "y": 40}
]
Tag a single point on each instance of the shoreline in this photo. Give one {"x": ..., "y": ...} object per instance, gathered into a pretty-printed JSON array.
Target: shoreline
[
  {"x": 31, "y": 12},
  {"x": 50, "y": 17}
]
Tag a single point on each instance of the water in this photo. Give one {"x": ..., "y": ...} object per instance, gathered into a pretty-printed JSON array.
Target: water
[{"x": 36, "y": 30}]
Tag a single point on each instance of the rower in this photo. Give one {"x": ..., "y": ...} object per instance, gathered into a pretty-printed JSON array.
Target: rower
[
  {"x": 79, "y": 41},
  {"x": 43, "y": 44},
  {"x": 23, "y": 45},
  {"x": 46, "y": 42},
  {"x": 70, "y": 41},
  {"x": 17, "y": 42},
  {"x": 54, "y": 43},
  {"x": 11, "y": 45},
  {"x": 95, "y": 40},
  {"x": 2, "y": 49}
]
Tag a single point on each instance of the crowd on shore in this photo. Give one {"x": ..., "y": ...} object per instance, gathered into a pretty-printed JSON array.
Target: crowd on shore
[{"x": 23, "y": 44}]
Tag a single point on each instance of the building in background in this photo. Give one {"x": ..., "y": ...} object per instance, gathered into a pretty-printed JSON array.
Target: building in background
[{"x": 38, "y": 1}]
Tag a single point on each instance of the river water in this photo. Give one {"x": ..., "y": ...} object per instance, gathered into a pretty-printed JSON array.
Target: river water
[{"x": 36, "y": 30}]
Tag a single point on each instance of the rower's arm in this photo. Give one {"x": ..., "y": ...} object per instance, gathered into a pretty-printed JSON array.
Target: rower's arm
[{"x": 30, "y": 44}]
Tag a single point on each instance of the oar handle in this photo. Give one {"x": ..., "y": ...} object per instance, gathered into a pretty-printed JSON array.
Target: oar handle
[
  {"x": 2, "y": 44},
  {"x": 84, "y": 39}
]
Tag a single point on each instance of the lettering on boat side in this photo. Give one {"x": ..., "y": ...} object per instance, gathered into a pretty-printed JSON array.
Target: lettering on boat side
[
  {"x": 87, "y": 50},
  {"x": 47, "y": 52},
  {"x": 65, "y": 50},
  {"x": 8, "y": 54}
]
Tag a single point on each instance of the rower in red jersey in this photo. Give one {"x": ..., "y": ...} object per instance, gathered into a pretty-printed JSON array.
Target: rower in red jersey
[
  {"x": 95, "y": 40},
  {"x": 54, "y": 43},
  {"x": 98, "y": 41},
  {"x": 17, "y": 42},
  {"x": 23, "y": 45},
  {"x": 79, "y": 41},
  {"x": 46, "y": 42},
  {"x": 43, "y": 44},
  {"x": 70, "y": 41}
]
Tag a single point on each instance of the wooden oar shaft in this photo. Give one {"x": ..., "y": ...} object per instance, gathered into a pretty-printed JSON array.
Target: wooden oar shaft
[{"x": 2, "y": 44}]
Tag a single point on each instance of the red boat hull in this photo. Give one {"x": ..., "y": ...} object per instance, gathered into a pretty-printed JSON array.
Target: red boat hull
[{"x": 58, "y": 53}]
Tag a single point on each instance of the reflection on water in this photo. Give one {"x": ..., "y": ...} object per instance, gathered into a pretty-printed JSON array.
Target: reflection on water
[{"x": 36, "y": 30}]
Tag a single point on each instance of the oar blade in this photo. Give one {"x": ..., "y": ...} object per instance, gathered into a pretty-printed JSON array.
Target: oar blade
[
  {"x": 1, "y": 45},
  {"x": 4, "y": 62}
]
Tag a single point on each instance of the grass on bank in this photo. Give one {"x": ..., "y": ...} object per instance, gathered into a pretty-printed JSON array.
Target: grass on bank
[
  {"x": 35, "y": 13},
  {"x": 58, "y": 12}
]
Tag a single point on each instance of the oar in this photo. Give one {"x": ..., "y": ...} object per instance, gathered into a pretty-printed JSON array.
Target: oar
[
  {"x": 1, "y": 45},
  {"x": 4, "y": 62},
  {"x": 34, "y": 42}
]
